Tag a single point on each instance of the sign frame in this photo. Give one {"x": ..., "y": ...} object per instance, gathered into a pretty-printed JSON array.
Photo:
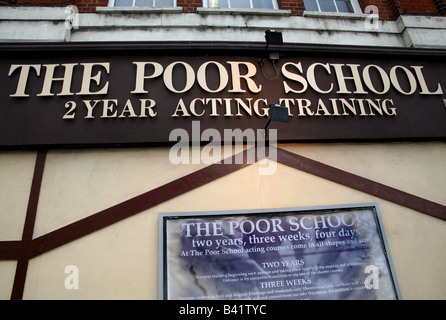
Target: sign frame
[
  {"x": 350, "y": 101},
  {"x": 311, "y": 210}
]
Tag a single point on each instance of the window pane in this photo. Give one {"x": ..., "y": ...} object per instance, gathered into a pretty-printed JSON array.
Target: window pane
[
  {"x": 262, "y": 4},
  {"x": 218, "y": 4},
  {"x": 144, "y": 3},
  {"x": 344, "y": 6},
  {"x": 123, "y": 3},
  {"x": 240, "y": 4},
  {"x": 311, "y": 5},
  {"x": 164, "y": 3},
  {"x": 327, "y": 5}
]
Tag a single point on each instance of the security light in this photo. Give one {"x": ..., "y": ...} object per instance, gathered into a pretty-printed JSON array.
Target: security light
[
  {"x": 277, "y": 113},
  {"x": 273, "y": 37}
]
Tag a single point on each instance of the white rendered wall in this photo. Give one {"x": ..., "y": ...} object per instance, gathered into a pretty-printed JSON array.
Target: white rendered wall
[{"x": 121, "y": 261}]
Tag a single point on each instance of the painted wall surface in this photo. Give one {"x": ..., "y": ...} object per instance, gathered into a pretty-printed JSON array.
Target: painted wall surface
[{"x": 121, "y": 261}]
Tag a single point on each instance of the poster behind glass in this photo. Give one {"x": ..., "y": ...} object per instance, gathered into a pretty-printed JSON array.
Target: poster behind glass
[{"x": 320, "y": 253}]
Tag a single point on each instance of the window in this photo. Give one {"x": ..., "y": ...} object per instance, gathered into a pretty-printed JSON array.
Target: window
[
  {"x": 142, "y": 3},
  {"x": 243, "y": 4},
  {"x": 347, "y": 6}
]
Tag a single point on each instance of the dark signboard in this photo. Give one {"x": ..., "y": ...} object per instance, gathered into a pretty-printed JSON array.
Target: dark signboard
[
  {"x": 337, "y": 252},
  {"x": 97, "y": 94}
]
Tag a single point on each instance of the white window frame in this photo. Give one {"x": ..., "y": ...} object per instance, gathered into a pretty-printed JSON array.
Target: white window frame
[
  {"x": 111, "y": 3},
  {"x": 206, "y": 4},
  {"x": 354, "y": 3}
]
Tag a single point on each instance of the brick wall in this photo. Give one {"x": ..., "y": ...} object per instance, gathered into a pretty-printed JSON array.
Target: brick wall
[
  {"x": 388, "y": 9},
  {"x": 426, "y": 7},
  {"x": 296, "y": 6},
  {"x": 189, "y": 5},
  {"x": 44, "y": 2},
  {"x": 86, "y": 6}
]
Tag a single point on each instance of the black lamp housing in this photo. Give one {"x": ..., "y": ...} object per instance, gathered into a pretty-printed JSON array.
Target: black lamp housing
[
  {"x": 278, "y": 113},
  {"x": 273, "y": 37}
]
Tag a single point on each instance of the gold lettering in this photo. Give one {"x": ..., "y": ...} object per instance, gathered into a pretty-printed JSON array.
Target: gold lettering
[
  {"x": 23, "y": 77},
  {"x": 355, "y": 77},
  {"x": 201, "y": 77},
  {"x": 422, "y": 81},
  {"x": 141, "y": 75},
  {"x": 168, "y": 77},
  {"x": 295, "y": 77},
  {"x": 49, "y": 78},
  {"x": 311, "y": 77},
  {"x": 88, "y": 77},
  {"x": 237, "y": 76}
]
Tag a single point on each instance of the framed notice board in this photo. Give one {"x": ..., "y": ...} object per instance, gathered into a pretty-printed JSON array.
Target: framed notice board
[{"x": 329, "y": 252}]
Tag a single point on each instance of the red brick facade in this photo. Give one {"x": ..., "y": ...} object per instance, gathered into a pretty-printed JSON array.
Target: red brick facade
[
  {"x": 46, "y": 3},
  {"x": 189, "y": 5},
  {"x": 388, "y": 9},
  {"x": 426, "y": 7},
  {"x": 90, "y": 5},
  {"x": 296, "y": 6}
]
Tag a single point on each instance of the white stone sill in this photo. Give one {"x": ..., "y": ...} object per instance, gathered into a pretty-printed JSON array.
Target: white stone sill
[{"x": 335, "y": 15}]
